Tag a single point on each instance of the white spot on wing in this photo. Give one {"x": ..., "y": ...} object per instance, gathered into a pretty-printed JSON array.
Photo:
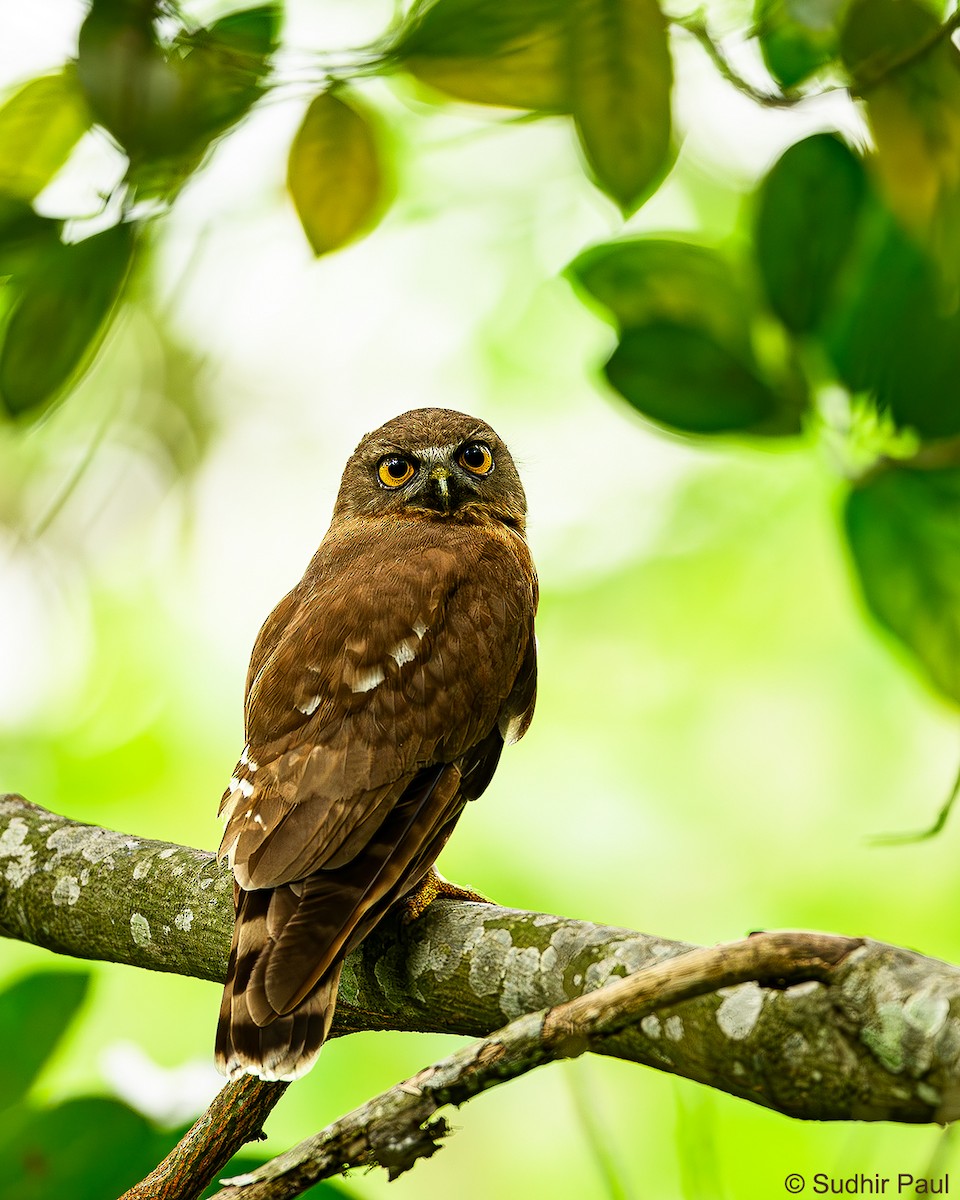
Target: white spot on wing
[
  {"x": 366, "y": 681},
  {"x": 311, "y": 706},
  {"x": 512, "y": 728},
  {"x": 247, "y": 761},
  {"x": 229, "y": 852},
  {"x": 405, "y": 651},
  {"x": 419, "y": 628}
]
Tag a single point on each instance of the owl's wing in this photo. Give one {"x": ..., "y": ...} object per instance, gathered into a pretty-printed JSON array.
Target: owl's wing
[
  {"x": 403, "y": 693},
  {"x": 289, "y": 942},
  {"x": 365, "y": 687}
]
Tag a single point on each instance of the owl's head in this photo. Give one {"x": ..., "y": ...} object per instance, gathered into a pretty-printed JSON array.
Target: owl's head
[{"x": 436, "y": 462}]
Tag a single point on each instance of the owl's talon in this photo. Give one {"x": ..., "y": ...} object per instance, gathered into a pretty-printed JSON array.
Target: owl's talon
[{"x": 432, "y": 887}]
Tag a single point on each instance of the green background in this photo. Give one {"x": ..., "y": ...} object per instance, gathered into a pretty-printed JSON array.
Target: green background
[{"x": 720, "y": 732}]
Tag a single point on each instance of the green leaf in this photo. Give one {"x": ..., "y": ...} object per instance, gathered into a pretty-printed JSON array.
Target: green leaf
[
  {"x": 463, "y": 28},
  {"x": 648, "y": 279},
  {"x": 251, "y": 35},
  {"x": 132, "y": 90},
  {"x": 681, "y": 377},
  {"x": 35, "y": 1012},
  {"x": 807, "y": 213},
  {"x": 165, "y": 104},
  {"x": 904, "y": 531},
  {"x": 910, "y": 79},
  {"x": 511, "y": 55},
  {"x": 898, "y": 337},
  {"x": 334, "y": 173},
  {"x": 88, "y": 1148},
  {"x": 797, "y": 37},
  {"x": 24, "y": 236},
  {"x": 878, "y": 36},
  {"x": 686, "y": 357},
  {"x": 224, "y": 69},
  {"x": 605, "y": 61},
  {"x": 61, "y": 316},
  {"x": 621, "y": 78},
  {"x": 39, "y": 126}
]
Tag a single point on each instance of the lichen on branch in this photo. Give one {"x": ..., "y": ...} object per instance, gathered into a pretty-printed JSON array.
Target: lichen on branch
[{"x": 881, "y": 1042}]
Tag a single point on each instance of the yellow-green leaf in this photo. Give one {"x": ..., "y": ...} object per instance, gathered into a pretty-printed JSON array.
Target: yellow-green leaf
[
  {"x": 527, "y": 73},
  {"x": 334, "y": 173},
  {"x": 39, "y": 126},
  {"x": 910, "y": 79},
  {"x": 510, "y": 53},
  {"x": 620, "y": 78}
]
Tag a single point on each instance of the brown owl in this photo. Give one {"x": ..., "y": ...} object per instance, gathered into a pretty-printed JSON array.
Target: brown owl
[{"x": 379, "y": 695}]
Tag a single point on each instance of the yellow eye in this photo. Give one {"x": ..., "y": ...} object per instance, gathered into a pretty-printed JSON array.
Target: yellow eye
[
  {"x": 476, "y": 458},
  {"x": 394, "y": 470}
]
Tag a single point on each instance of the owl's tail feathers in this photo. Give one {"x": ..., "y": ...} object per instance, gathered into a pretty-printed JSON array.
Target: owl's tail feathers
[{"x": 252, "y": 1038}]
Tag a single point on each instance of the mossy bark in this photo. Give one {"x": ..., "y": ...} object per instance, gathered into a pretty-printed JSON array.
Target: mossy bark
[{"x": 881, "y": 1042}]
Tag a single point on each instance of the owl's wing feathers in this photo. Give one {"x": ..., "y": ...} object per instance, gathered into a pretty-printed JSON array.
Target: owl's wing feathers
[
  {"x": 339, "y": 908},
  {"x": 387, "y": 682},
  {"x": 289, "y": 942},
  {"x": 403, "y": 695}
]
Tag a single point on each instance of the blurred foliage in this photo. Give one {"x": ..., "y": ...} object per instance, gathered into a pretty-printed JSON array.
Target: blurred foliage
[
  {"x": 69, "y": 1147},
  {"x": 851, "y": 276},
  {"x": 827, "y": 328},
  {"x": 88, "y": 1147},
  {"x": 904, "y": 530}
]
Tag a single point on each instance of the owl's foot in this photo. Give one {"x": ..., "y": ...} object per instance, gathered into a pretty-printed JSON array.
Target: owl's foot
[{"x": 432, "y": 887}]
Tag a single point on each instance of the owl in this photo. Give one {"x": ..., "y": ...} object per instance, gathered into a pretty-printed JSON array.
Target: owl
[{"x": 380, "y": 693}]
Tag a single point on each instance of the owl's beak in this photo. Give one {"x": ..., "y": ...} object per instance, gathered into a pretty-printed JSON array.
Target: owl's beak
[{"x": 440, "y": 483}]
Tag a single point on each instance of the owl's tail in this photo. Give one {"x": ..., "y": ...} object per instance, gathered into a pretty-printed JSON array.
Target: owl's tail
[{"x": 252, "y": 1037}]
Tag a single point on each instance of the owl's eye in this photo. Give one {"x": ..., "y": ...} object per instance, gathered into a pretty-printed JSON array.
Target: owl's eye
[
  {"x": 477, "y": 458},
  {"x": 394, "y": 470}
]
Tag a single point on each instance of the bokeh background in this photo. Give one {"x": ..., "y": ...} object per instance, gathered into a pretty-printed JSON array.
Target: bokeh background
[{"x": 721, "y": 730}]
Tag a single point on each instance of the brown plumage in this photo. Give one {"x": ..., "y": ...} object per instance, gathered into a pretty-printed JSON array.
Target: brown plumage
[{"x": 379, "y": 696}]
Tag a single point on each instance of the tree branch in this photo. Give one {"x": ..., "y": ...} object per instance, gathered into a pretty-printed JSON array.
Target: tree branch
[
  {"x": 882, "y": 1042},
  {"x": 235, "y": 1117},
  {"x": 396, "y": 1129}
]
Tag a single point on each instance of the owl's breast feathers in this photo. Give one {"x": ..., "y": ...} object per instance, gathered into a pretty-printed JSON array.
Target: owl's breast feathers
[{"x": 379, "y": 695}]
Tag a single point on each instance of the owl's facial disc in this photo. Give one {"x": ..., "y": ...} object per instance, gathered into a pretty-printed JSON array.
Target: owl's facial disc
[
  {"x": 435, "y": 461},
  {"x": 439, "y": 478}
]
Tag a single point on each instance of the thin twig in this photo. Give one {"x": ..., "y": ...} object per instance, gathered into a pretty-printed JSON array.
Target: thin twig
[
  {"x": 892, "y": 65},
  {"x": 697, "y": 28},
  {"x": 922, "y": 835}
]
